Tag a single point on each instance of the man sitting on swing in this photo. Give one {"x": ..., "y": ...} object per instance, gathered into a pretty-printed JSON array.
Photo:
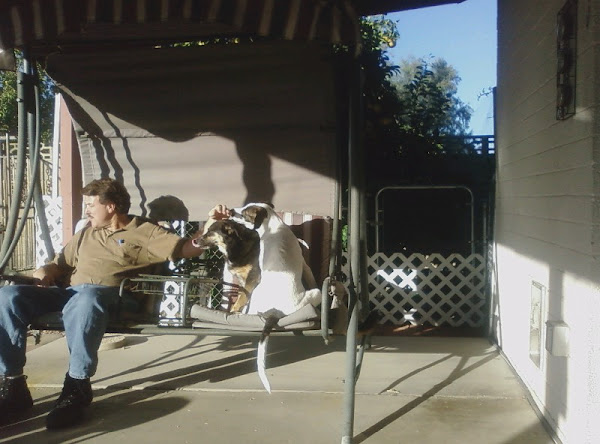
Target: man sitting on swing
[{"x": 113, "y": 246}]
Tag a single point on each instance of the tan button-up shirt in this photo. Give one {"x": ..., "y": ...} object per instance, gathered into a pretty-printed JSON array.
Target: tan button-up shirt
[{"x": 104, "y": 257}]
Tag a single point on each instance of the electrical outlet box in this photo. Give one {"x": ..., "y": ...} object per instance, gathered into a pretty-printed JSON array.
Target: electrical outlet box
[{"x": 557, "y": 338}]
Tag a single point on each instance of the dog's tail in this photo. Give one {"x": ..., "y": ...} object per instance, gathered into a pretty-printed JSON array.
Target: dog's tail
[{"x": 271, "y": 319}]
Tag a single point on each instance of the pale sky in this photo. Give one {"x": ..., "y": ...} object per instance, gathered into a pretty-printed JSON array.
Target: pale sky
[{"x": 464, "y": 35}]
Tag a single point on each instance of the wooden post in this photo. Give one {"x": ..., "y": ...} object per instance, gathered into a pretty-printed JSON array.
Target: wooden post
[{"x": 70, "y": 174}]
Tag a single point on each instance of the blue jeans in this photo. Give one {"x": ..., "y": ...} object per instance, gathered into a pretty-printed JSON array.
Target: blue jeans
[{"x": 85, "y": 312}]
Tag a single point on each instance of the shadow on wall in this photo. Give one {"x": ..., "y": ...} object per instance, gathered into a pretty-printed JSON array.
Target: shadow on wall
[
  {"x": 167, "y": 208},
  {"x": 162, "y": 99}
]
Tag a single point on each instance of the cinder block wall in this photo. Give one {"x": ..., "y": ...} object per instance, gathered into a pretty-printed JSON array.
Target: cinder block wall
[{"x": 548, "y": 215}]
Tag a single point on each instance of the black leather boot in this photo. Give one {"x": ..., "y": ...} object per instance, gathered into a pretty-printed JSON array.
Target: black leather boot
[
  {"x": 70, "y": 406},
  {"x": 15, "y": 398}
]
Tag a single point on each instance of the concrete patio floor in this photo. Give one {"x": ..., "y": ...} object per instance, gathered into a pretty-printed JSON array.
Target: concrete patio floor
[{"x": 192, "y": 389}]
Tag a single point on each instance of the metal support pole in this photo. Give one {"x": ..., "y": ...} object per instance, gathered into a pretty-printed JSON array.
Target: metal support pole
[
  {"x": 55, "y": 146},
  {"x": 34, "y": 125},
  {"x": 334, "y": 251},
  {"x": 354, "y": 203},
  {"x": 486, "y": 259}
]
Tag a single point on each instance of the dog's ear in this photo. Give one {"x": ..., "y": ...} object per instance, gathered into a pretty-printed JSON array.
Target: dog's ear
[
  {"x": 231, "y": 230},
  {"x": 256, "y": 215},
  {"x": 227, "y": 228}
]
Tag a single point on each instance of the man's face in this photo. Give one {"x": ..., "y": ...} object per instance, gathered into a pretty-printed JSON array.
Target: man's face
[{"x": 98, "y": 214}]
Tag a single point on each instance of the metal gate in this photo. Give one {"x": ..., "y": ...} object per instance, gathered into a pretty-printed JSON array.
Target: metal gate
[{"x": 447, "y": 287}]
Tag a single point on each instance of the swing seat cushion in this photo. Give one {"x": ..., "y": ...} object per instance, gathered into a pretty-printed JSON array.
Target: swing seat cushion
[{"x": 305, "y": 318}]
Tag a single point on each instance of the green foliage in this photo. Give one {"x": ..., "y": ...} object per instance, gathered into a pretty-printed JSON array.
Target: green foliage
[
  {"x": 216, "y": 40},
  {"x": 47, "y": 94},
  {"x": 424, "y": 104},
  {"x": 345, "y": 237},
  {"x": 428, "y": 95},
  {"x": 8, "y": 105},
  {"x": 411, "y": 109},
  {"x": 8, "y": 102},
  {"x": 378, "y": 34},
  {"x": 414, "y": 122},
  {"x": 381, "y": 101}
]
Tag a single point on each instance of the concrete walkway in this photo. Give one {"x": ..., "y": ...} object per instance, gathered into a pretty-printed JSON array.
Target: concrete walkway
[{"x": 204, "y": 389}]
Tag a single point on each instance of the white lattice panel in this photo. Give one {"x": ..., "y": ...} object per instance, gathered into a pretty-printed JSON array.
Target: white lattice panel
[
  {"x": 428, "y": 289},
  {"x": 53, "y": 207},
  {"x": 171, "y": 306}
]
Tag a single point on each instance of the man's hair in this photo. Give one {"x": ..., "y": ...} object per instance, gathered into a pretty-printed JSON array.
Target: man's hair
[{"x": 109, "y": 191}]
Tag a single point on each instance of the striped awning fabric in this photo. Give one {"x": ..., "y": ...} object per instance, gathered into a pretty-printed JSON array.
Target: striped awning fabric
[{"x": 49, "y": 23}]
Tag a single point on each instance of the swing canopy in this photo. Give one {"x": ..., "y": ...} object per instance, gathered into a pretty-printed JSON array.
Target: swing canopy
[{"x": 48, "y": 25}]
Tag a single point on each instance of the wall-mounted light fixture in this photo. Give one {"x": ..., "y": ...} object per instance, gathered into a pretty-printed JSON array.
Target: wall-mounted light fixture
[{"x": 566, "y": 51}]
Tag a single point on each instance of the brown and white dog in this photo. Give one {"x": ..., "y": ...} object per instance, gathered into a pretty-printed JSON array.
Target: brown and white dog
[
  {"x": 282, "y": 265},
  {"x": 240, "y": 246},
  {"x": 281, "y": 290}
]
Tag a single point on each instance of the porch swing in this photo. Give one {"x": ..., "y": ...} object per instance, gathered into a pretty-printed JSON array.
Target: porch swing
[{"x": 70, "y": 56}]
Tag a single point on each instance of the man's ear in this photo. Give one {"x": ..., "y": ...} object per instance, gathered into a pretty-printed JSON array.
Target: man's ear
[{"x": 111, "y": 207}]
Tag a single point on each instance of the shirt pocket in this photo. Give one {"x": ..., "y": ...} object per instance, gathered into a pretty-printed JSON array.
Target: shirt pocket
[{"x": 129, "y": 253}]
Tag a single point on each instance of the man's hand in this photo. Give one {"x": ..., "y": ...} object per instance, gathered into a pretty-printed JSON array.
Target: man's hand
[
  {"x": 190, "y": 248},
  {"x": 46, "y": 281},
  {"x": 47, "y": 275},
  {"x": 218, "y": 212}
]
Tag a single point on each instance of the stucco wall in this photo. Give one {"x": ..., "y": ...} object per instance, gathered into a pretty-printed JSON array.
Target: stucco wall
[{"x": 547, "y": 212}]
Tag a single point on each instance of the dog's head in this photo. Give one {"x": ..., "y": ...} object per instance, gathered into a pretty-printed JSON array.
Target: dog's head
[
  {"x": 231, "y": 238},
  {"x": 252, "y": 215}
]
